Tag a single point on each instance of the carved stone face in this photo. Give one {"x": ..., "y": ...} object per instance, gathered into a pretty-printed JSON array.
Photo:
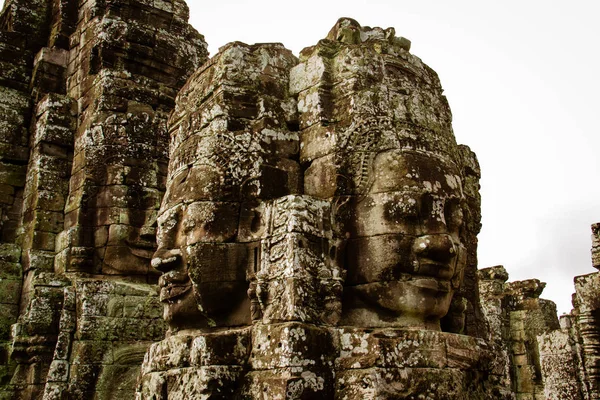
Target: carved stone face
[
  {"x": 405, "y": 256},
  {"x": 204, "y": 271},
  {"x": 128, "y": 216}
]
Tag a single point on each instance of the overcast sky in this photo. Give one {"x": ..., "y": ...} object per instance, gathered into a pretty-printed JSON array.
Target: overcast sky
[{"x": 522, "y": 80}]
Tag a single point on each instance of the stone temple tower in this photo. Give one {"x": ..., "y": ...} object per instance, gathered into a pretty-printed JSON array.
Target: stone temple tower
[
  {"x": 253, "y": 225},
  {"x": 318, "y": 231}
]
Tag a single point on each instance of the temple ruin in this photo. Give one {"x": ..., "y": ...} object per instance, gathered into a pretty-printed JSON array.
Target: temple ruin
[{"x": 254, "y": 225}]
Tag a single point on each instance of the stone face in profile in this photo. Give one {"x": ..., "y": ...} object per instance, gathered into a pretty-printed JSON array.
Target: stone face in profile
[{"x": 231, "y": 151}]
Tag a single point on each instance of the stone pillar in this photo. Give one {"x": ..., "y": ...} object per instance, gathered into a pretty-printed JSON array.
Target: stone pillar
[
  {"x": 570, "y": 356},
  {"x": 496, "y": 310},
  {"x": 596, "y": 246},
  {"x": 517, "y": 317},
  {"x": 127, "y": 62},
  {"x": 10, "y": 287},
  {"x": 299, "y": 287},
  {"x": 559, "y": 363},
  {"x": 587, "y": 305},
  {"x": 471, "y": 320},
  {"x": 42, "y": 219}
]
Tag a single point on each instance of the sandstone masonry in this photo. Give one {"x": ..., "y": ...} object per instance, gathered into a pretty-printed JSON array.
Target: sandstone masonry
[{"x": 251, "y": 226}]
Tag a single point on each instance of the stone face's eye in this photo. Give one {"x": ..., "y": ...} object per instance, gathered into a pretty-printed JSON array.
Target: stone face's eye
[
  {"x": 402, "y": 206},
  {"x": 411, "y": 206},
  {"x": 454, "y": 215},
  {"x": 167, "y": 228},
  {"x": 188, "y": 223},
  {"x": 428, "y": 207}
]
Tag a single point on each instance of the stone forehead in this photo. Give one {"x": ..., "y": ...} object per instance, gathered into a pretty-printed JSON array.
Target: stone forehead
[{"x": 365, "y": 129}]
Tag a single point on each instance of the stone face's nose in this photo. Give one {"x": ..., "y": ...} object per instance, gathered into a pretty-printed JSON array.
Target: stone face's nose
[
  {"x": 439, "y": 247},
  {"x": 166, "y": 260}
]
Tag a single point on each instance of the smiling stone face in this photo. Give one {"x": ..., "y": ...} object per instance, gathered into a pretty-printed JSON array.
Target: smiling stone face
[
  {"x": 231, "y": 151},
  {"x": 405, "y": 252},
  {"x": 204, "y": 277}
]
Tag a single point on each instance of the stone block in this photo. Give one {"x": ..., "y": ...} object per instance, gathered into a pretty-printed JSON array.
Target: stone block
[
  {"x": 369, "y": 258},
  {"x": 10, "y": 252},
  {"x": 85, "y": 352},
  {"x": 10, "y": 270},
  {"x": 466, "y": 353},
  {"x": 214, "y": 382},
  {"x": 48, "y": 221},
  {"x": 93, "y": 305},
  {"x": 525, "y": 379},
  {"x": 43, "y": 240},
  {"x": 82, "y": 378},
  {"x": 8, "y": 316},
  {"x": 392, "y": 349},
  {"x": 62, "y": 350},
  {"x": 10, "y": 291},
  {"x": 404, "y": 383},
  {"x": 56, "y": 391},
  {"x": 230, "y": 347},
  {"x": 290, "y": 345},
  {"x": 170, "y": 354},
  {"x": 310, "y": 73},
  {"x": 106, "y": 328},
  {"x": 13, "y": 175},
  {"x": 218, "y": 262},
  {"x": 59, "y": 371},
  {"x": 318, "y": 141},
  {"x": 321, "y": 178},
  {"x": 289, "y": 383},
  {"x": 315, "y": 106}
]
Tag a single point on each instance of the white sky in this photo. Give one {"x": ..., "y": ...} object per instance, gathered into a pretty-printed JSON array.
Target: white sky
[{"x": 521, "y": 78}]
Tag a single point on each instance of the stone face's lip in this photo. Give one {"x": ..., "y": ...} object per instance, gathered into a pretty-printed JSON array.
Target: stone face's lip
[
  {"x": 173, "y": 285},
  {"x": 431, "y": 284},
  {"x": 167, "y": 260},
  {"x": 420, "y": 281},
  {"x": 142, "y": 252},
  {"x": 175, "y": 277},
  {"x": 171, "y": 292},
  {"x": 443, "y": 271}
]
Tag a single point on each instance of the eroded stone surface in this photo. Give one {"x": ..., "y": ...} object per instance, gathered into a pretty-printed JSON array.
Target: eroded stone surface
[
  {"x": 85, "y": 92},
  {"x": 254, "y": 225},
  {"x": 323, "y": 204}
]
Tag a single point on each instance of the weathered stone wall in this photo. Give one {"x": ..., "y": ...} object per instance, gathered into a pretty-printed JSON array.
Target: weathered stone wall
[
  {"x": 545, "y": 359},
  {"x": 561, "y": 367},
  {"x": 587, "y": 305},
  {"x": 85, "y": 91},
  {"x": 570, "y": 356},
  {"x": 596, "y": 246},
  {"x": 517, "y": 316}
]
